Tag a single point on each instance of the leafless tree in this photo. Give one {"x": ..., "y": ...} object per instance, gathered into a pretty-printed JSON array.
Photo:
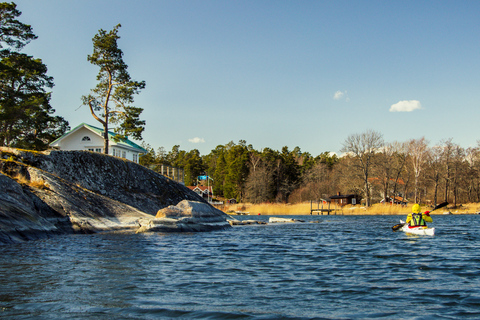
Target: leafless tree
[
  {"x": 319, "y": 180},
  {"x": 259, "y": 180},
  {"x": 434, "y": 169},
  {"x": 400, "y": 156},
  {"x": 447, "y": 156},
  {"x": 472, "y": 158},
  {"x": 362, "y": 147},
  {"x": 457, "y": 170},
  {"x": 386, "y": 168},
  {"x": 418, "y": 155}
]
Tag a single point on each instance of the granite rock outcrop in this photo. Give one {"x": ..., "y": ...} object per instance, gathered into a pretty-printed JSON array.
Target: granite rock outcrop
[{"x": 45, "y": 193}]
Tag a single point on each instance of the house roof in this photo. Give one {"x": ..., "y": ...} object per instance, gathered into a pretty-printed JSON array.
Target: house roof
[
  {"x": 400, "y": 199},
  {"x": 99, "y": 131},
  {"x": 201, "y": 188},
  {"x": 342, "y": 196}
]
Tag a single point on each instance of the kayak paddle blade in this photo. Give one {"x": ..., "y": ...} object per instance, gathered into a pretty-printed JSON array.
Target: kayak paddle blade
[
  {"x": 397, "y": 226},
  {"x": 441, "y": 205}
]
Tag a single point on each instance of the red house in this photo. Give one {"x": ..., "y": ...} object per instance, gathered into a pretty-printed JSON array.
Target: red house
[{"x": 204, "y": 191}]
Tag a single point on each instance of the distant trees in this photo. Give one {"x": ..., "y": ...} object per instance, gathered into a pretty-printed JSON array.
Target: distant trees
[
  {"x": 115, "y": 87},
  {"x": 26, "y": 116},
  {"x": 377, "y": 170},
  {"x": 418, "y": 156},
  {"x": 362, "y": 147}
]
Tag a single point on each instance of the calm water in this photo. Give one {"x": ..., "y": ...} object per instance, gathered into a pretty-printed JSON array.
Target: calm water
[{"x": 345, "y": 267}]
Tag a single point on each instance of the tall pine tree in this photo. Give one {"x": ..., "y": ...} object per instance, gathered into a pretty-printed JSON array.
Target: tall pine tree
[
  {"x": 26, "y": 116},
  {"x": 110, "y": 102}
]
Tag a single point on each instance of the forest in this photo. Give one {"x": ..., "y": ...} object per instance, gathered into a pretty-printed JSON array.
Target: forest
[{"x": 369, "y": 167}]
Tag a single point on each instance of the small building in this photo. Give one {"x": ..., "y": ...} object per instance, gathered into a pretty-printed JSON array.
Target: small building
[
  {"x": 204, "y": 191},
  {"x": 90, "y": 138},
  {"x": 344, "y": 199},
  {"x": 396, "y": 200}
]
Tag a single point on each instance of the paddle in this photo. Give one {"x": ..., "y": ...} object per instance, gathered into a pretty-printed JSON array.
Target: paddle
[{"x": 438, "y": 206}]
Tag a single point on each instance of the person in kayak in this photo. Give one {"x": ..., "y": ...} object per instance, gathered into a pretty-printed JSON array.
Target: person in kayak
[{"x": 418, "y": 219}]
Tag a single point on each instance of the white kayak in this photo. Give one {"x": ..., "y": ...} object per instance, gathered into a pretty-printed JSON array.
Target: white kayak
[{"x": 417, "y": 230}]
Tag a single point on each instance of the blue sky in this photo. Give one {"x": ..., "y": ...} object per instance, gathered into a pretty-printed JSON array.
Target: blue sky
[{"x": 274, "y": 73}]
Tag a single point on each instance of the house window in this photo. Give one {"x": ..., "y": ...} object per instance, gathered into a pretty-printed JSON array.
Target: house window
[
  {"x": 86, "y": 138},
  {"x": 124, "y": 154},
  {"x": 90, "y": 149},
  {"x": 135, "y": 157},
  {"x": 117, "y": 153},
  {"x": 98, "y": 150}
]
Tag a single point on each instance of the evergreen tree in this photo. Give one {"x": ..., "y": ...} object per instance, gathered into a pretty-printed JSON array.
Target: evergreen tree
[
  {"x": 13, "y": 33},
  {"x": 220, "y": 172},
  {"x": 26, "y": 116},
  {"x": 236, "y": 171},
  {"x": 114, "y": 87}
]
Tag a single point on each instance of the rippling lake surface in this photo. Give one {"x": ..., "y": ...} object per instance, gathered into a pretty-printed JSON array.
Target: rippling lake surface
[{"x": 344, "y": 267}]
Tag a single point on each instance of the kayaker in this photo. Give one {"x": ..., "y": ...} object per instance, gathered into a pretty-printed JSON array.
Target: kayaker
[{"x": 417, "y": 219}]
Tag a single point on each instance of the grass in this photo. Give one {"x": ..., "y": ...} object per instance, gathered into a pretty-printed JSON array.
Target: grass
[
  {"x": 39, "y": 184},
  {"x": 304, "y": 209}
]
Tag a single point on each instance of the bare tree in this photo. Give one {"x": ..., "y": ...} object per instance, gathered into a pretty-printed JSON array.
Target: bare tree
[
  {"x": 258, "y": 184},
  {"x": 362, "y": 147},
  {"x": 434, "y": 168},
  {"x": 447, "y": 155},
  {"x": 400, "y": 156},
  {"x": 319, "y": 180},
  {"x": 472, "y": 157},
  {"x": 385, "y": 168},
  {"x": 457, "y": 170},
  {"x": 418, "y": 153}
]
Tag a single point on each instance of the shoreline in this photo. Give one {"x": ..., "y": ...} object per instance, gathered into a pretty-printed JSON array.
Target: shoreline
[{"x": 305, "y": 207}]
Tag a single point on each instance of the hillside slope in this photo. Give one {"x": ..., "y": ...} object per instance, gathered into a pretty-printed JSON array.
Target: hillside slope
[{"x": 43, "y": 193}]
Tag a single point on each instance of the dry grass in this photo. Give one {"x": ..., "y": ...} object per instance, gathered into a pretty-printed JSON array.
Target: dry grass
[
  {"x": 21, "y": 179},
  {"x": 39, "y": 184},
  {"x": 269, "y": 208},
  {"x": 304, "y": 209}
]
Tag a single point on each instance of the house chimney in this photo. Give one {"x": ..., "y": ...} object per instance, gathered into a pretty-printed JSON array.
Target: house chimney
[{"x": 338, "y": 193}]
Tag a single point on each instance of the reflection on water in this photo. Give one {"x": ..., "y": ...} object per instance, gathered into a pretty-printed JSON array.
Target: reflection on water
[{"x": 345, "y": 267}]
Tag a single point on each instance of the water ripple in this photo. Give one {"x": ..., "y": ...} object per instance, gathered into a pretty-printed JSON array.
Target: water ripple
[{"x": 351, "y": 267}]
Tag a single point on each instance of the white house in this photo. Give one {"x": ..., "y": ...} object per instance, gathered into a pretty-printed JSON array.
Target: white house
[{"x": 87, "y": 137}]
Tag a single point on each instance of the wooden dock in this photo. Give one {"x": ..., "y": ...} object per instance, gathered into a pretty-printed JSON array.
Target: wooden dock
[{"x": 320, "y": 210}]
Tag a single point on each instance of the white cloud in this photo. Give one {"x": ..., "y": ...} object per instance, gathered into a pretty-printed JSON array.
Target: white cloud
[
  {"x": 338, "y": 95},
  {"x": 406, "y": 106},
  {"x": 341, "y": 95},
  {"x": 197, "y": 140}
]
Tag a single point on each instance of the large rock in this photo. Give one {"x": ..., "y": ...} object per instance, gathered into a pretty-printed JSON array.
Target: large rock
[
  {"x": 112, "y": 177},
  {"x": 186, "y": 216},
  {"x": 45, "y": 193},
  {"x": 23, "y": 216}
]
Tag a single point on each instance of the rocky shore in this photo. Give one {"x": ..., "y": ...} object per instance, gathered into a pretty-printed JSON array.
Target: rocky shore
[{"x": 57, "y": 192}]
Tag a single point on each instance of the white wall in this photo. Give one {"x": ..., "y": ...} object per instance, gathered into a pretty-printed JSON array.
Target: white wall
[{"x": 74, "y": 141}]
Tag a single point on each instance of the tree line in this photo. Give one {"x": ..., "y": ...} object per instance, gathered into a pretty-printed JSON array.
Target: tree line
[{"x": 369, "y": 167}]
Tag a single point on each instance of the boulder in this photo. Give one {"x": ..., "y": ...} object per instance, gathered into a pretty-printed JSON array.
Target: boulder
[
  {"x": 283, "y": 220},
  {"x": 235, "y": 222},
  {"x": 186, "y": 216}
]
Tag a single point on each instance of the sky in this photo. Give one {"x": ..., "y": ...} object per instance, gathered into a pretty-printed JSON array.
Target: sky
[{"x": 274, "y": 73}]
